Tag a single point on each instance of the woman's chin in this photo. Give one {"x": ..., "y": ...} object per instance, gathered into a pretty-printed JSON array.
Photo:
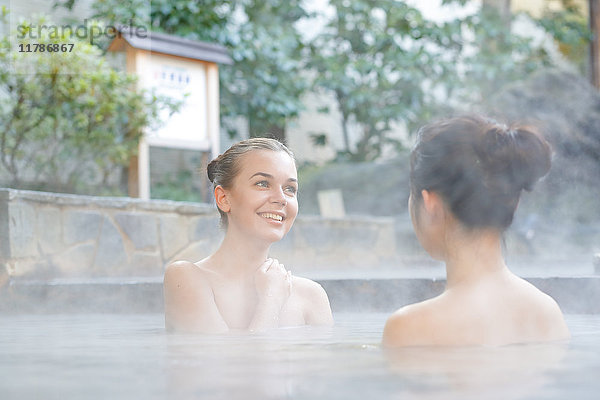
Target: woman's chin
[
  {"x": 269, "y": 237},
  {"x": 273, "y": 238}
]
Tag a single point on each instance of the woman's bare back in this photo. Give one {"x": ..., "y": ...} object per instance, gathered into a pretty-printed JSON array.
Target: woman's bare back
[{"x": 498, "y": 311}]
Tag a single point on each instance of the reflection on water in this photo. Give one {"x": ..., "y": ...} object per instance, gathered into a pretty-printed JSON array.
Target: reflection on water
[{"x": 125, "y": 357}]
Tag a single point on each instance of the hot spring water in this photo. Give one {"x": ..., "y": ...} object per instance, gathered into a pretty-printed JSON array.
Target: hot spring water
[{"x": 124, "y": 356}]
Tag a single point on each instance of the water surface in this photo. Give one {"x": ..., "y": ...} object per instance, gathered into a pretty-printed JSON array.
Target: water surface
[{"x": 110, "y": 356}]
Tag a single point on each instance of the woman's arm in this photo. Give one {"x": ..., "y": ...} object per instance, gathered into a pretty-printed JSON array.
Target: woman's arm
[{"x": 189, "y": 301}]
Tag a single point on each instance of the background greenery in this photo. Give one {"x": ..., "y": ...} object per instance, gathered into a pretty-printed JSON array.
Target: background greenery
[
  {"x": 383, "y": 62},
  {"x": 69, "y": 120}
]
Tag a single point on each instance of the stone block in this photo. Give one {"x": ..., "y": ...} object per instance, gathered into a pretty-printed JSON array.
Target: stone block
[
  {"x": 81, "y": 226},
  {"x": 145, "y": 264},
  {"x": 311, "y": 235},
  {"x": 77, "y": 260},
  {"x": 297, "y": 259},
  {"x": 361, "y": 257},
  {"x": 4, "y": 226},
  {"x": 360, "y": 235},
  {"x": 49, "y": 230},
  {"x": 196, "y": 251},
  {"x": 4, "y": 276},
  {"x": 139, "y": 228},
  {"x": 407, "y": 242},
  {"x": 173, "y": 234},
  {"x": 287, "y": 244},
  {"x": 386, "y": 241},
  {"x": 30, "y": 268},
  {"x": 111, "y": 252},
  {"x": 327, "y": 235},
  {"x": 205, "y": 227},
  {"x": 22, "y": 222}
]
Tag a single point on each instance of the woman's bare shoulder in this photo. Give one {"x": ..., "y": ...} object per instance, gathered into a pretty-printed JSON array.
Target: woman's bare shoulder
[
  {"x": 305, "y": 286},
  {"x": 546, "y": 312},
  {"x": 411, "y": 325},
  {"x": 311, "y": 294},
  {"x": 181, "y": 266},
  {"x": 181, "y": 269},
  {"x": 189, "y": 300},
  {"x": 187, "y": 269},
  {"x": 185, "y": 276},
  {"x": 534, "y": 298}
]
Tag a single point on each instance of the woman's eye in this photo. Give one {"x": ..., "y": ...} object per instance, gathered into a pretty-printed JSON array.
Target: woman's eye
[
  {"x": 291, "y": 189},
  {"x": 262, "y": 184}
]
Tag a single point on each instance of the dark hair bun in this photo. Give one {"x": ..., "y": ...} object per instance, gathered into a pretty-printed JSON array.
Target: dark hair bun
[
  {"x": 533, "y": 158},
  {"x": 479, "y": 167},
  {"x": 515, "y": 159}
]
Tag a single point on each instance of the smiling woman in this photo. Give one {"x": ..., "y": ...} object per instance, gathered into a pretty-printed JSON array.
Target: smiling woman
[{"x": 239, "y": 287}]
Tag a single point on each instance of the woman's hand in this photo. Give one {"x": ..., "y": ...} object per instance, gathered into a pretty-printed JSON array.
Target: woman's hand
[
  {"x": 273, "y": 287},
  {"x": 273, "y": 282}
]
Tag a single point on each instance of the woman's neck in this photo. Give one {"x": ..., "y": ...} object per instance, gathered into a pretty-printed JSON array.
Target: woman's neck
[
  {"x": 240, "y": 255},
  {"x": 473, "y": 256}
]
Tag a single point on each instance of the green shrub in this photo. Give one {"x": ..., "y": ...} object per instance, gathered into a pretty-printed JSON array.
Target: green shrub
[{"x": 69, "y": 120}]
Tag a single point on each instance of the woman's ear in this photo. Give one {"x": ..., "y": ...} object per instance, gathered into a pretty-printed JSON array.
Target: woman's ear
[
  {"x": 432, "y": 203},
  {"x": 222, "y": 199}
]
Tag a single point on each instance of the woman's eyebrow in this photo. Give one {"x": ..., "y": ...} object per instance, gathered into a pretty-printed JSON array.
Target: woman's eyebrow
[
  {"x": 271, "y": 176},
  {"x": 262, "y": 174}
]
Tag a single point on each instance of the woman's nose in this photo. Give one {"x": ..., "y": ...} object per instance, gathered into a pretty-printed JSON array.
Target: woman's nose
[{"x": 278, "y": 196}]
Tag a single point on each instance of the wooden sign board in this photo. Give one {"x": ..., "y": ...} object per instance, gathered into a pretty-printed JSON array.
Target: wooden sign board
[{"x": 182, "y": 70}]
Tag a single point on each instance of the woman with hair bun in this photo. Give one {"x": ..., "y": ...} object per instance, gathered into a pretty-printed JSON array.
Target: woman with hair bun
[
  {"x": 466, "y": 177},
  {"x": 239, "y": 287}
]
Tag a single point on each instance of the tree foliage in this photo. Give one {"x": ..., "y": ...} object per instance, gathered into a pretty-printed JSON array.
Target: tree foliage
[
  {"x": 385, "y": 63},
  {"x": 205, "y": 20},
  {"x": 68, "y": 119},
  {"x": 570, "y": 29},
  {"x": 267, "y": 80},
  {"x": 493, "y": 55},
  {"x": 382, "y": 61}
]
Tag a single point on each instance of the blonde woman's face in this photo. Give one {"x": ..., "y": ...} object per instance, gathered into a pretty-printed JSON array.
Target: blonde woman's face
[{"x": 263, "y": 197}]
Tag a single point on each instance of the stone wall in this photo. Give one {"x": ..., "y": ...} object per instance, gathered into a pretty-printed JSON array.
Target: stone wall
[
  {"x": 49, "y": 236},
  {"x": 351, "y": 244}
]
